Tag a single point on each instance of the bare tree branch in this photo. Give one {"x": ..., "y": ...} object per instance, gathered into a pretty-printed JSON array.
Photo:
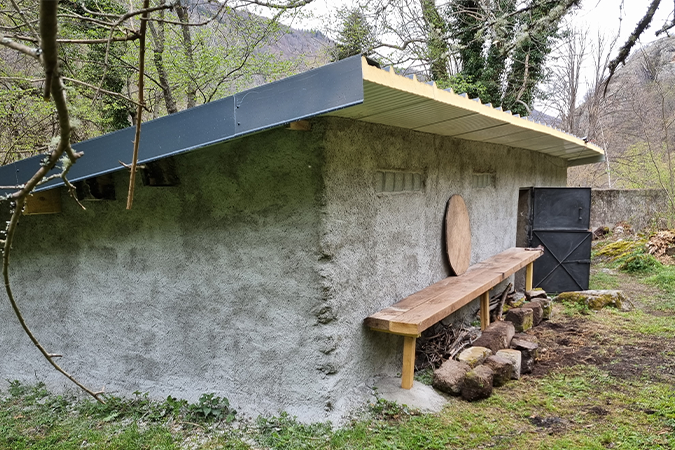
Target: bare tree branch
[
  {"x": 26, "y": 21},
  {"x": 131, "y": 36},
  {"x": 48, "y": 29},
  {"x": 30, "y": 51},
  {"x": 624, "y": 51}
]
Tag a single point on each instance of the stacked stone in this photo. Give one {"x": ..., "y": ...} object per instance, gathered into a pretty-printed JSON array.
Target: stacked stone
[{"x": 503, "y": 352}]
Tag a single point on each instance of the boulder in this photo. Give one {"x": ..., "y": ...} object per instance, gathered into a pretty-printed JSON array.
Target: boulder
[
  {"x": 502, "y": 369},
  {"x": 526, "y": 337},
  {"x": 529, "y": 351},
  {"x": 449, "y": 378},
  {"x": 537, "y": 294},
  {"x": 477, "y": 383},
  {"x": 474, "y": 356},
  {"x": 496, "y": 336},
  {"x": 537, "y": 311},
  {"x": 596, "y": 299},
  {"x": 515, "y": 357},
  {"x": 521, "y": 318}
]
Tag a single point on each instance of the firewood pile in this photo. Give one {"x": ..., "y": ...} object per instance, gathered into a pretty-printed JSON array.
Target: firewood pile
[
  {"x": 662, "y": 246},
  {"x": 446, "y": 342}
]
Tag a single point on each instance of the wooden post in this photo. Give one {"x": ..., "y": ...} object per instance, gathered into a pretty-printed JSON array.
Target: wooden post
[
  {"x": 484, "y": 310},
  {"x": 408, "y": 372},
  {"x": 528, "y": 276},
  {"x": 44, "y": 202}
]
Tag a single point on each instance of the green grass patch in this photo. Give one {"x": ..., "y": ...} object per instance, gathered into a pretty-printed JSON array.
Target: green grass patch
[
  {"x": 603, "y": 280},
  {"x": 640, "y": 263},
  {"x": 553, "y": 412},
  {"x": 664, "y": 279},
  {"x": 31, "y": 417}
]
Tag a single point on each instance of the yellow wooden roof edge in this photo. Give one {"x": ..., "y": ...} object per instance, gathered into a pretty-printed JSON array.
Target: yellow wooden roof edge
[{"x": 429, "y": 90}]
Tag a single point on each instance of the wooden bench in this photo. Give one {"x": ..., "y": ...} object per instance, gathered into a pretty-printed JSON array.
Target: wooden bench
[{"x": 414, "y": 314}]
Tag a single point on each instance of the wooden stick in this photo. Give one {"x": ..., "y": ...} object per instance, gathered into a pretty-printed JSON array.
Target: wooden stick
[
  {"x": 500, "y": 308},
  {"x": 139, "y": 111},
  {"x": 408, "y": 372}
]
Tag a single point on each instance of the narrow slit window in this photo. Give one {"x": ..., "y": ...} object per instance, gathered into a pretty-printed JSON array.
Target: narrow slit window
[{"x": 160, "y": 173}]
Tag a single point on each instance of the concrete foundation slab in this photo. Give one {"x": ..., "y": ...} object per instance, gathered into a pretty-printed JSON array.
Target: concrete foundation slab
[{"x": 421, "y": 396}]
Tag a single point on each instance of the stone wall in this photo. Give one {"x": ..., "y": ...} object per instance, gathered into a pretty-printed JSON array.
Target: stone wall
[{"x": 641, "y": 208}]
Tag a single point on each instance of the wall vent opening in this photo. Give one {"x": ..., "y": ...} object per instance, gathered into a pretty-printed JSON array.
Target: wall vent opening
[
  {"x": 160, "y": 173},
  {"x": 395, "y": 181},
  {"x": 483, "y": 180},
  {"x": 97, "y": 188}
]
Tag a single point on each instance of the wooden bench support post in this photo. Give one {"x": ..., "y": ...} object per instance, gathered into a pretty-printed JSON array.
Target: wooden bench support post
[
  {"x": 484, "y": 310},
  {"x": 528, "y": 276},
  {"x": 408, "y": 372}
]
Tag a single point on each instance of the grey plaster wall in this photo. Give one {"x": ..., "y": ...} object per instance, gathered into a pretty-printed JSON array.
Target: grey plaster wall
[
  {"x": 210, "y": 286},
  {"x": 641, "y": 208},
  {"x": 252, "y": 278},
  {"x": 381, "y": 247}
]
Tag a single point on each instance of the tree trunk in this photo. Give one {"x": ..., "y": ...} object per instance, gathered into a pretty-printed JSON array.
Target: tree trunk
[
  {"x": 158, "y": 38},
  {"x": 437, "y": 47},
  {"x": 184, "y": 18}
]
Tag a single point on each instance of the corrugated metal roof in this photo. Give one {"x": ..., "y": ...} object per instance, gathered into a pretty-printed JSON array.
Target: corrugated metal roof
[
  {"x": 404, "y": 102},
  {"x": 350, "y": 88}
]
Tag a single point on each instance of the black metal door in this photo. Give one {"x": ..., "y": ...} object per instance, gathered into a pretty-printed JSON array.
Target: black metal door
[{"x": 560, "y": 221}]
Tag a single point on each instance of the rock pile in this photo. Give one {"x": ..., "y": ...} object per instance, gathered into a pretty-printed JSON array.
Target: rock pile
[{"x": 503, "y": 352}]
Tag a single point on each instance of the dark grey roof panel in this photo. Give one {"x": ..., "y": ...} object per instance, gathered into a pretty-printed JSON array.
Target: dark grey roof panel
[{"x": 309, "y": 94}]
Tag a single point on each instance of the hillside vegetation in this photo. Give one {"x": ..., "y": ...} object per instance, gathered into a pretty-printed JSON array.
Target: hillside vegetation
[{"x": 634, "y": 123}]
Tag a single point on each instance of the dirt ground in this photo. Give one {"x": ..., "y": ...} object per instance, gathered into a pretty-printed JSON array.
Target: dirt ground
[{"x": 568, "y": 341}]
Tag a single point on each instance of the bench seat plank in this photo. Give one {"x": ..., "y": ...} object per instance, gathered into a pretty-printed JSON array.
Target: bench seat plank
[{"x": 419, "y": 311}]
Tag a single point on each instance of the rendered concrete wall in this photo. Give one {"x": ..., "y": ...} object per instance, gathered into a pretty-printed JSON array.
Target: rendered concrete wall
[
  {"x": 381, "y": 247},
  {"x": 252, "y": 278},
  {"x": 641, "y": 208},
  {"x": 210, "y": 286}
]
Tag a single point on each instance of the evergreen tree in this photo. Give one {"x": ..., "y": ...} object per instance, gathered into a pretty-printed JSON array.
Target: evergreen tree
[{"x": 355, "y": 37}]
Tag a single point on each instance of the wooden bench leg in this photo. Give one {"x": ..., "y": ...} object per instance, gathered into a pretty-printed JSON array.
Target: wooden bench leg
[
  {"x": 408, "y": 372},
  {"x": 484, "y": 310},
  {"x": 528, "y": 276}
]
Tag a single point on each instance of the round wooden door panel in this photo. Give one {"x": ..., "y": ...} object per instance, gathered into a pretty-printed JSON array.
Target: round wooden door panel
[{"x": 458, "y": 235}]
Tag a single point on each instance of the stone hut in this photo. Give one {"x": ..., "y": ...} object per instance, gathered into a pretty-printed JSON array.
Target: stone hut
[{"x": 265, "y": 228}]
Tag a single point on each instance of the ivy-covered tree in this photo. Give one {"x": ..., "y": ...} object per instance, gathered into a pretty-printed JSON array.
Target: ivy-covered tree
[
  {"x": 492, "y": 49},
  {"x": 503, "y": 46}
]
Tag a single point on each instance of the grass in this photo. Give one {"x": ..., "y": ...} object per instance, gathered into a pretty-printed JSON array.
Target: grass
[{"x": 592, "y": 404}]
